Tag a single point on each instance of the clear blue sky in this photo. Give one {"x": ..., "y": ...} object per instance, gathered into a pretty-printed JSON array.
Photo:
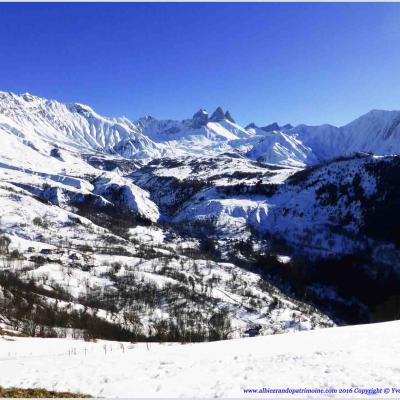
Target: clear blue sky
[{"x": 310, "y": 63}]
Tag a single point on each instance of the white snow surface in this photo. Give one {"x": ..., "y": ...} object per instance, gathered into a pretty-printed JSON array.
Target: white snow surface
[
  {"x": 358, "y": 357},
  {"x": 377, "y": 131},
  {"x": 131, "y": 195},
  {"x": 34, "y": 126},
  {"x": 283, "y": 149}
]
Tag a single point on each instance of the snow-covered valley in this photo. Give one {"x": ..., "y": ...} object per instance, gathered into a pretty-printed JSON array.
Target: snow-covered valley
[{"x": 193, "y": 230}]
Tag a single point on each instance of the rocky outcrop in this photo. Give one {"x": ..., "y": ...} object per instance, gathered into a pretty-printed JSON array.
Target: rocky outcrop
[
  {"x": 218, "y": 115},
  {"x": 200, "y": 119},
  {"x": 229, "y": 117},
  {"x": 272, "y": 127},
  {"x": 252, "y": 125}
]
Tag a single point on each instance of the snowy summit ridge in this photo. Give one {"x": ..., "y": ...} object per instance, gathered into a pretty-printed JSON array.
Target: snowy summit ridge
[{"x": 40, "y": 124}]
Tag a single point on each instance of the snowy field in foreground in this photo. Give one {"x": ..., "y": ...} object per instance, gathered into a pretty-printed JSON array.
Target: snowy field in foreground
[{"x": 359, "y": 356}]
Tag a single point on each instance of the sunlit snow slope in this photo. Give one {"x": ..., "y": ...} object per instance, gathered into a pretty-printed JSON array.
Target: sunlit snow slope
[{"x": 358, "y": 358}]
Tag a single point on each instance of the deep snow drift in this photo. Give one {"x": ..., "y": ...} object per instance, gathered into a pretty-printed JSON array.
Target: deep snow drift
[{"x": 357, "y": 357}]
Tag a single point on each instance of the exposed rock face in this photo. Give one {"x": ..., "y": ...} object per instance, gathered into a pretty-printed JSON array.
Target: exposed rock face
[
  {"x": 269, "y": 128},
  {"x": 200, "y": 119},
  {"x": 252, "y": 125},
  {"x": 272, "y": 127},
  {"x": 229, "y": 117},
  {"x": 218, "y": 115},
  {"x": 55, "y": 153}
]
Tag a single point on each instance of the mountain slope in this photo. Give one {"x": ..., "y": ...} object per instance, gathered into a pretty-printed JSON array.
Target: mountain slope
[
  {"x": 201, "y": 136},
  {"x": 227, "y": 369},
  {"x": 38, "y": 126},
  {"x": 377, "y": 132},
  {"x": 282, "y": 149},
  {"x": 84, "y": 267},
  {"x": 203, "y": 217},
  {"x": 87, "y": 254}
]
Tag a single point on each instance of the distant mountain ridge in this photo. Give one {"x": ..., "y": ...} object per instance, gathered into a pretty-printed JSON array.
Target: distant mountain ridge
[{"x": 36, "y": 124}]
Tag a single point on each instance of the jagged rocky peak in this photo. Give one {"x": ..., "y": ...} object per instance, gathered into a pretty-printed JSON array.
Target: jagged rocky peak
[
  {"x": 229, "y": 117},
  {"x": 275, "y": 127},
  {"x": 200, "y": 118},
  {"x": 271, "y": 127},
  {"x": 252, "y": 125},
  {"x": 218, "y": 115},
  {"x": 148, "y": 118}
]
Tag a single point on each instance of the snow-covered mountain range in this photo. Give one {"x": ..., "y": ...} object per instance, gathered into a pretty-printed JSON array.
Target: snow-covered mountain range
[
  {"x": 194, "y": 229},
  {"x": 41, "y": 125}
]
